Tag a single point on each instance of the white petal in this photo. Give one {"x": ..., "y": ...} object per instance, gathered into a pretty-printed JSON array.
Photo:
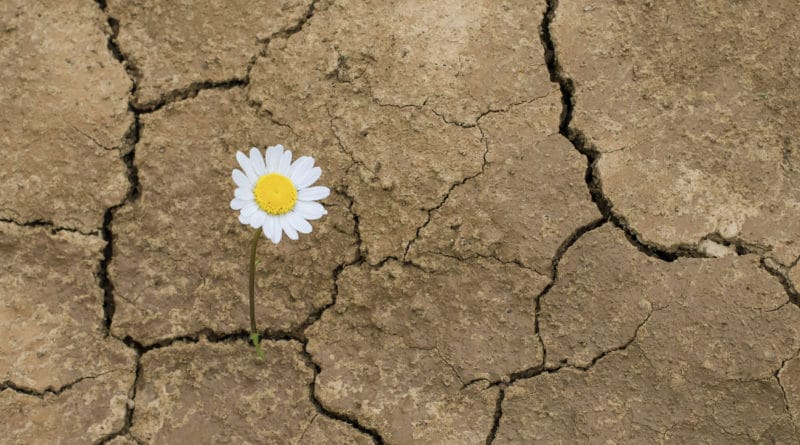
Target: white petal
[
  {"x": 276, "y": 230},
  {"x": 309, "y": 178},
  {"x": 309, "y": 210},
  {"x": 247, "y": 168},
  {"x": 257, "y": 161},
  {"x": 297, "y": 221},
  {"x": 313, "y": 193},
  {"x": 286, "y": 161},
  {"x": 257, "y": 220},
  {"x": 250, "y": 209},
  {"x": 244, "y": 194},
  {"x": 241, "y": 179},
  {"x": 274, "y": 154},
  {"x": 269, "y": 227},
  {"x": 300, "y": 167},
  {"x": 242, "y": 219},
  {"x": 239, "y": 204},
  {"x": 288, "y": 228}
]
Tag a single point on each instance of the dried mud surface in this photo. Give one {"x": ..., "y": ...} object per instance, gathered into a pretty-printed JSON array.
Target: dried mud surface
[{"x": 550, "y": 222}]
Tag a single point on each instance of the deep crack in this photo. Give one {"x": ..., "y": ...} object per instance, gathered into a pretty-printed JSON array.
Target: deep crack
[
  {"x": 781, "y": 274},
  {"x": 130, "y": 405},
  {"x": 353, "y": 422},
  {"x": 113, "y": 47},
  {"x": 294, "y": 29},
  {"x": 498, "y": 414},
  {"x": 104, "y": 281},
  {"x": 211, "y": 337},
  {"x": 581, "y": 144}
]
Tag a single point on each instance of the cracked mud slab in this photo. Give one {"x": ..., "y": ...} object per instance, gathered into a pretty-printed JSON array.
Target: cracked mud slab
[
  {"x": 221, "y": 392},
  {"x": 689, "y": 351},
  {"x": 629, "y": 398},
  {"x": 605, "y": 281},
  {"x": 406, "y": 161},
  {"x": 410, "y": 352},
  {"x": 87, "y": 412},
  {"x": 399, "y": 105},
  {"x": 181, "y": 255},
  {"x": 529, "y": 199},
  {"x": 693, "y": 109},
  {"x": 172, "y": 46},
  {"x": 52, "y": 310},
  {"x": 62, "y": 380},
  {"x": 460, "y": 58},
  {"x": 59, "y": 166}
]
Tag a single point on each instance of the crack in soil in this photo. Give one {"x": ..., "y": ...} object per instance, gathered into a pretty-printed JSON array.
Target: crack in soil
[
  {"x": 129, "y": 406},
  {"x": 327, "y": 412},
  {"x": 489, "y": 111},
  {"x": 316, "y": 315},
  {"x": 498, "y": 414},
  {"x": 188, "y": 92},
  {"x": 209, "y": 335},
  {"x": 8, "y": 384},
  {"x": 542, "y": 369},
  {"x": 621, "y": 347},
  {"x": 303, "y": 434},
  {"x": 449, "y": 191},
  {"x": 777, "y": 376},
  {"x": 781, "y": 274},
  {"x": 560, "y": 252},
  {"x": 353, "y": 161},
  {"x": 604, "y": 204},
  {"x": 104, "y": 281},
  {"x": 579, "y": 141},
  {"x": 92, "y": 138},
  {"x": 50, "y": 224},
  {"x": 130, "y": 140}
]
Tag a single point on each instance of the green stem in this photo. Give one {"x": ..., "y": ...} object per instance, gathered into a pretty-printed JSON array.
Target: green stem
[{"x": 253, "y": 331}]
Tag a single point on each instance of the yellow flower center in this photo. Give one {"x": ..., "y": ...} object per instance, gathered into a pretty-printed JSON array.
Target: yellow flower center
[{"x": 275, "y": 194}]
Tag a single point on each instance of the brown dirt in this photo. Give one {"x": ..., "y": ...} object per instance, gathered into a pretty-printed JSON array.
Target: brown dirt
[{"x": 550, "y": 222}]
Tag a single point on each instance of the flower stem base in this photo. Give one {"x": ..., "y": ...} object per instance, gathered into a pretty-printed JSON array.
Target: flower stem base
[{"x": 257, "y": 343}]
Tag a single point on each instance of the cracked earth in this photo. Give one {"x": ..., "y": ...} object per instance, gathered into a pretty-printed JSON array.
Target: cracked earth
[{"x": 551, "y": 222}]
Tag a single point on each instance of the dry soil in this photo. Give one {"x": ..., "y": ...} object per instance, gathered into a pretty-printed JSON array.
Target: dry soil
[{"x": 551, "y": 222}]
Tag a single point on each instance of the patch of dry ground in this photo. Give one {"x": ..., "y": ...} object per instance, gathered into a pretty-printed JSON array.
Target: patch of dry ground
[{"x": 550, "y": 222}]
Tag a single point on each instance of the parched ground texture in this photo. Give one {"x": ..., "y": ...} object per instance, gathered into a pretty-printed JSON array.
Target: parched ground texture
[{"x": 551, "y": 222}]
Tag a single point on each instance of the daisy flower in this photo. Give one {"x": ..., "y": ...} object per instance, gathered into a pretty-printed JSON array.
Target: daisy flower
[{"x": 276, "y": 195}]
